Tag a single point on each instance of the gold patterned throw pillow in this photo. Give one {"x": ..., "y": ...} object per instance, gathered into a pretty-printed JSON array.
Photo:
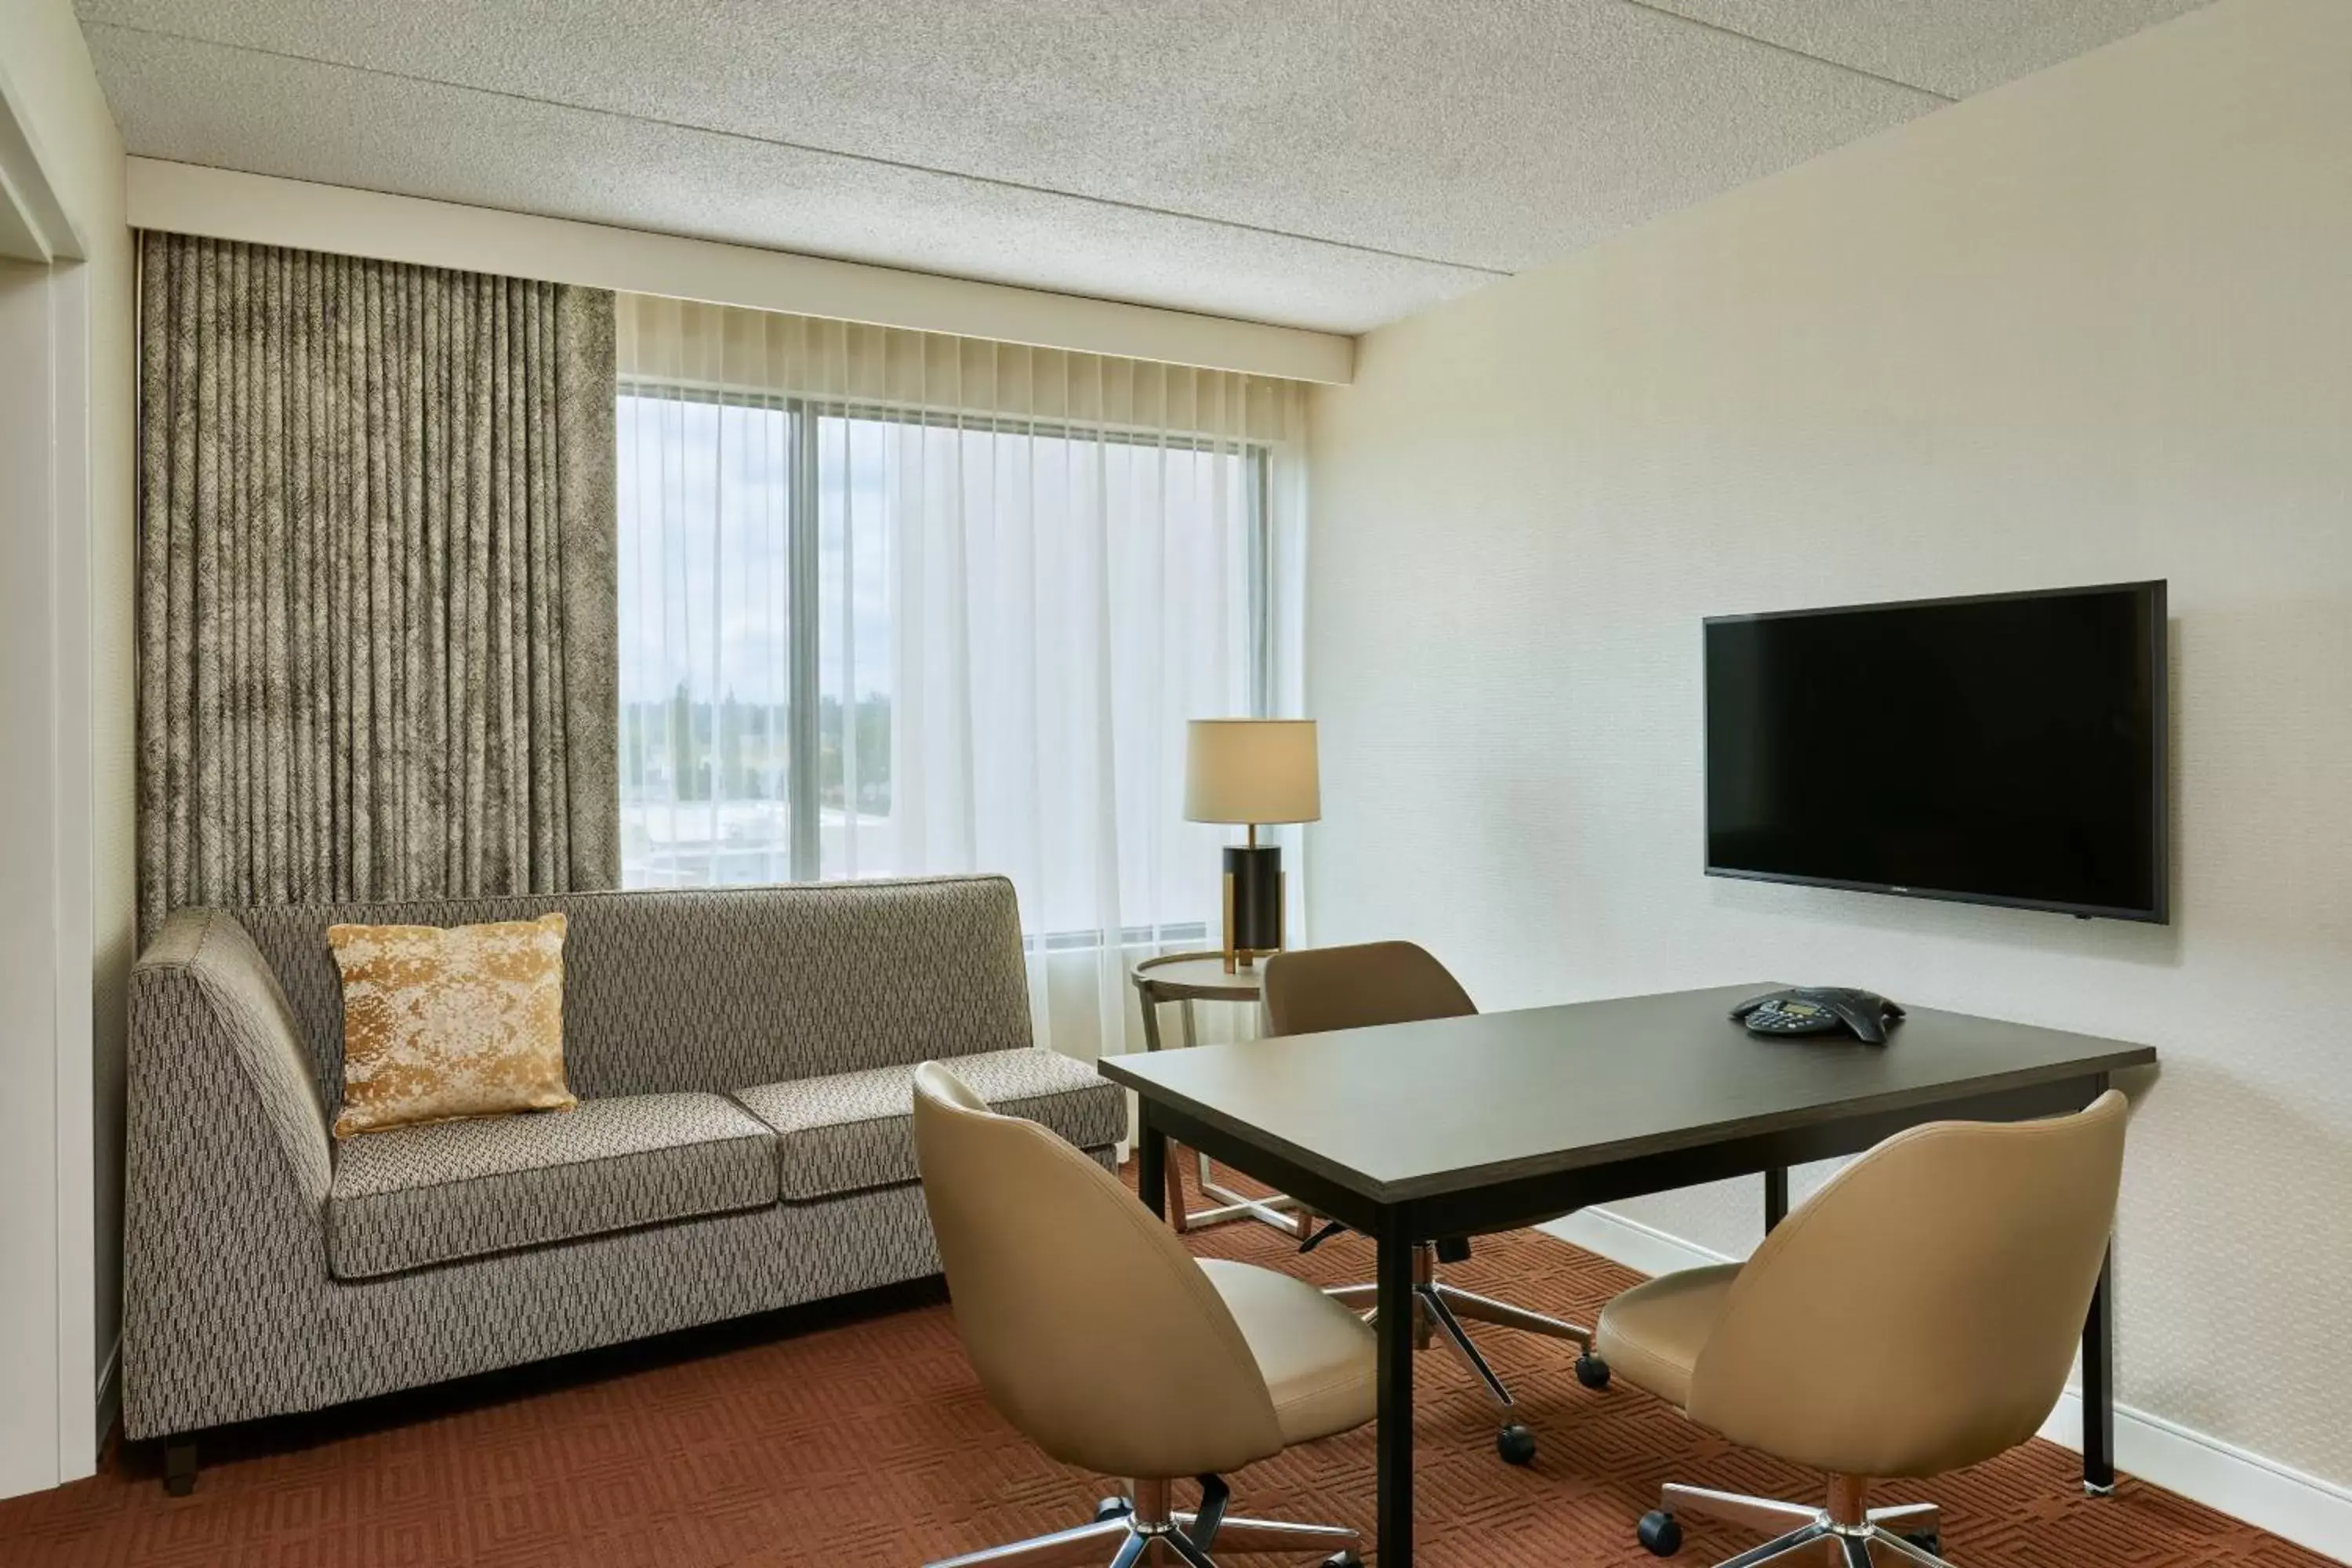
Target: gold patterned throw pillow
[{"x": 439, "y": 1025}]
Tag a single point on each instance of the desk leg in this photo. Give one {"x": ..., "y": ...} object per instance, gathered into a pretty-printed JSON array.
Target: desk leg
[
  {"x": 1776, "y": 1197},
  {"x": 1151, "y": 1171},
  {"x": 1200, "y": 1161},
  {"x": 2099, "y": 1386},
  {"x": 1173, "y": 1213},
  {"x": 1392, "y": 1521}
]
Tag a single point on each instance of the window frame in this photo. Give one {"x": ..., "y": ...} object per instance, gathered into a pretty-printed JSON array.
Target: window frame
[{"x": 803, "y": 416}]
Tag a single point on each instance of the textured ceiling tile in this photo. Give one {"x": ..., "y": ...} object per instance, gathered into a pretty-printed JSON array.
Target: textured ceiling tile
[
  {"x": 1066, "y": 143},
  {"x": 305, "y": 120},
  {"x": 1497, "y": 135},
  {"x": 1956, "y": 48}
]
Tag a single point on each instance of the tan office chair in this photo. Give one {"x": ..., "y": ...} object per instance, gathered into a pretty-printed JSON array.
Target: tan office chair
[
  {"x": 1919, "y": 1314},
  {"x": 1096, "y": 1334},
  {"x": 1320, "y": 988}
]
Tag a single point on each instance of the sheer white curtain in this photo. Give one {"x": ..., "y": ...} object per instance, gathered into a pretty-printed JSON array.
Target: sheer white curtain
[{"x": 898, "y": 603}]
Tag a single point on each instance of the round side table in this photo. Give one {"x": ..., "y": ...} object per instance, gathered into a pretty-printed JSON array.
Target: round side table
[{"x": 1185, "y": 978}]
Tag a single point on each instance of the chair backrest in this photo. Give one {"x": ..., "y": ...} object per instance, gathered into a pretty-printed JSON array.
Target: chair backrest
[
  {"x": 1921, "y": 1312},
  {"x": 1091, "y": 1328},
  {"x": 1320, "y": 988}
]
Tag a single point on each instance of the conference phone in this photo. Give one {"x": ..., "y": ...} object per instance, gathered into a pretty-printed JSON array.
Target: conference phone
[{"x": 1821, "y": 1010}]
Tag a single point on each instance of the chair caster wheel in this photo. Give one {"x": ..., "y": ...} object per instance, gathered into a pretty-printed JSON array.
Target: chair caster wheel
[
  {"x": 1592, "y": 1371},
  {"x": 1928, "y": 1541},
  {"x": 1343, "y": 1560},
  {"x": 1661, "y": 1534},
  {"x": 1114, "y": 1508},
  {"x": 1515, "y": 1444}
]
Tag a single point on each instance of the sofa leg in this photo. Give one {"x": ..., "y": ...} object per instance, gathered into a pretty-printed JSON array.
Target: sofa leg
[{"x": 179, "y": 1466}]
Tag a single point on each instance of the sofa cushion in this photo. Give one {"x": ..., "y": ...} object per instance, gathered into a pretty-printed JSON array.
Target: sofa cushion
[
  {"x": 410, "y": 1196},
  {"x": 853, "y": 1131}
]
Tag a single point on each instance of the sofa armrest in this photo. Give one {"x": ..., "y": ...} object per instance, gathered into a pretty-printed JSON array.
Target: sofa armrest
[
  {"x": 203, "y": 989},
  {"x": 227, "y": 1171}
]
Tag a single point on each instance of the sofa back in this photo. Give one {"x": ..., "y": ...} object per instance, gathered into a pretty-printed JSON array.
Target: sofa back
[{"x": 721, "y": 988}]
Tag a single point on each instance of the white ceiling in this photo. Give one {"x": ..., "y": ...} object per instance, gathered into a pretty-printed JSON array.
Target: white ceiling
[{"x": 1326, "y": 164}]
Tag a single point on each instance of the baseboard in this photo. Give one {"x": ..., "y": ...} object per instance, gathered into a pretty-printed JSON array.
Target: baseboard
[
  {"x": 2268, "y": 1495},
  {"x": 109, "y": 1396},
  {"x": 1638, "y": 1246}
]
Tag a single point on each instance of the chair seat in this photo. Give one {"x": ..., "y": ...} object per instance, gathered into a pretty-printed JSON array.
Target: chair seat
[
  {"x": 1315, "y": 1355},
  {"x": 851, "y": 1131},
  {"x": 411, "y": 1196},
  {"x": 1651, "y": 1335}
]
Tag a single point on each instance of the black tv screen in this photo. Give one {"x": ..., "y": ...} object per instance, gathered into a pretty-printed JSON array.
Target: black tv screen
[{"x": 2003, "y": 749}]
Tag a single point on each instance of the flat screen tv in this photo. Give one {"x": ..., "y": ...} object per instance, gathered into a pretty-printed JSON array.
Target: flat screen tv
[{"x": 2004, "y": 749}]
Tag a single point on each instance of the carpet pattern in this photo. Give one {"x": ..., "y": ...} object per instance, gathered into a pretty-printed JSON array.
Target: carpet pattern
[{"x": 853, "y": 1435}]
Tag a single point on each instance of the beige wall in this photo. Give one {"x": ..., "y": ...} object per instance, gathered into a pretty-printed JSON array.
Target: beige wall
[
  {"x": 54, "y": 95},
  {"x": 2096, "y": 325}
]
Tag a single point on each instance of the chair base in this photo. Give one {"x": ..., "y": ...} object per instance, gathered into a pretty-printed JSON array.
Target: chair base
[
  {"x": 1277, "y": 1209},
  {"x": 1439, "y": 1310},
  {"x": 1144, "y": 1531},
  {"x": 1842, "y": 1533}
]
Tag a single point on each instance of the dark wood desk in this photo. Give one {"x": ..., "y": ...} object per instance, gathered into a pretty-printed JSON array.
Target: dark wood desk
[{"x": 1460, "y": 1126}]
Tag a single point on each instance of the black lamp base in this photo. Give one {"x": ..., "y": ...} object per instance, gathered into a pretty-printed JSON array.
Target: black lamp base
[{"x": 1253, "y": 902}]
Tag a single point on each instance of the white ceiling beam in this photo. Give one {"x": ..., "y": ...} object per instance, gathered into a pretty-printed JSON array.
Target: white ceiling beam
[{"x": 223, "y": 204}]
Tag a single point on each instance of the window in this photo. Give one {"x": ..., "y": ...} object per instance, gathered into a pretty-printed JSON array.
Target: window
[
  {"x": 705, "y": 558},
  {"x": 772, "y": 624},
  {"x": 905, "y": 604}
]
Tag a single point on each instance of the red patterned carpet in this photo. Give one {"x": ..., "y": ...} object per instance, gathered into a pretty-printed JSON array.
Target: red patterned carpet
[{"x": 855, "y": 1435}]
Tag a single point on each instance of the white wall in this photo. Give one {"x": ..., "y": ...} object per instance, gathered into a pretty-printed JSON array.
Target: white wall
[
  {"x": 30, "y": 1308},
  {"x": 66, "y": 422},
  {"x": 2096, "y": 325}
]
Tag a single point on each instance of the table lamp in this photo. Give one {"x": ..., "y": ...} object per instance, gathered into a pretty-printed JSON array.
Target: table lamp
[{"x": 1252, "y": 770}]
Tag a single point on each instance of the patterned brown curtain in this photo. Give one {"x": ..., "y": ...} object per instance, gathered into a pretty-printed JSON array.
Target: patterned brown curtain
[{"x": 376, "y": 581}]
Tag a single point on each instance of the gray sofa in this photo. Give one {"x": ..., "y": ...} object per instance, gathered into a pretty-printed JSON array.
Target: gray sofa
[{"x": 743, "y": 1059}]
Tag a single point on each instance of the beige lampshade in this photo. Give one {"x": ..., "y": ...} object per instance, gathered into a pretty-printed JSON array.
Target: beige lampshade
[{"x": 1252, "y": 770}]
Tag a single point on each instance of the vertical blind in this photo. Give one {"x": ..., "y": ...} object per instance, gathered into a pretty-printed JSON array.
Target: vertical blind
[{"x": 895, "y": 602}]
